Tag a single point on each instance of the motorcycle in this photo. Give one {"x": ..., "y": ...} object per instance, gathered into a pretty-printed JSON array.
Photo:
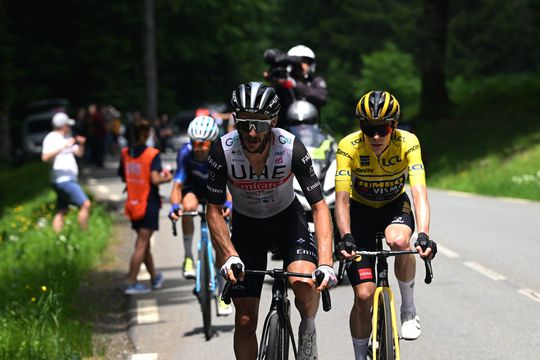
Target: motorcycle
[{"x": 302, "y": 118}]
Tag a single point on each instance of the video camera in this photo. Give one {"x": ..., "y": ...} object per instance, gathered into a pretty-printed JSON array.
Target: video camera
[{"x": 282, "y": 65}]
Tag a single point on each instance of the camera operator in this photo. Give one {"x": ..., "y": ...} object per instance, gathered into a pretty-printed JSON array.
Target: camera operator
[{"x": 292, "y": 75}]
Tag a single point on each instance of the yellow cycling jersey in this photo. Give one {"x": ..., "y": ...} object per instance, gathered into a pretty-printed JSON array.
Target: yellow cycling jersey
[{"x": 376, "y": 181}]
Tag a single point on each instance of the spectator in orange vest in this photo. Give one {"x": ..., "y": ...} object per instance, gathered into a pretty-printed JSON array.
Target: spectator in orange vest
[{"x": 140, "y": 167}]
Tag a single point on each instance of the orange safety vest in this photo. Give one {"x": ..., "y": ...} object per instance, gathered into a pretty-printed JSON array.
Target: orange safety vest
[{"x": 137, "y": 173}]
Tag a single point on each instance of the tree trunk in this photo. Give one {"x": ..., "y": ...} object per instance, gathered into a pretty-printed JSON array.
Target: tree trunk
[
  {"x": 5, "y": 135},
  {"x": 434, "y": 99},
  {"x": 150, "y": 67}
]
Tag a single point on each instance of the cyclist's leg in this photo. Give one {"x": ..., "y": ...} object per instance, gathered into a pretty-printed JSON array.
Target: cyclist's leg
[
  {"x": 250, "y": 239},
  {"x": 245, "y": 327},
  {"x": 364, "y": 227},
  {"x": 190, "y": 202}
]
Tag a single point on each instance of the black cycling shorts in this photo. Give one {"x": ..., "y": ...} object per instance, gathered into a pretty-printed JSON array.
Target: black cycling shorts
[
  {"x": 253, "y": 238},
  {"x": 366, "y": 222}
]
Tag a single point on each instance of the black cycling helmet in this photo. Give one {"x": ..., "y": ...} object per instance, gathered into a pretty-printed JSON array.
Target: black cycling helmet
[
  {"x": 378, "y": 107},
  {"x": 256, "y": 98}
]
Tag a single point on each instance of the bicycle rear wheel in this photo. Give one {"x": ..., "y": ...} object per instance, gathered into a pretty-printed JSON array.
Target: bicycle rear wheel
[
  {"x": 273, "y": 348},
  {"x": 205, "y": 296},
  {"x": 384, "y": 345}
]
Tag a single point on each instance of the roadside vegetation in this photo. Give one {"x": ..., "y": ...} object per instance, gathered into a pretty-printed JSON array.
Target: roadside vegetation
[
  {"x": 41, "y": 272},
  {"x": 490, "y": 142}
]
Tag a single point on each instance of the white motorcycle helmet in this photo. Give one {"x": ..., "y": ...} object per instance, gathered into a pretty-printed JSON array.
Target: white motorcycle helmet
[
  {"x": 302, "y": 112},
  {"x": 307, "y": 55}
]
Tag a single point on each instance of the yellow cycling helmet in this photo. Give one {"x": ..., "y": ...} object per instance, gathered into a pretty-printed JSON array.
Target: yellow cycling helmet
[{"x": 378, "y": 107}]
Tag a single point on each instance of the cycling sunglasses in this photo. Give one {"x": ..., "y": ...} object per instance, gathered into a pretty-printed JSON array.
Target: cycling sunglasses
[
  {"x": 246, "y": 125},
  {"x": 382, "y": 130},
  {"x": 201, "y": 145}
]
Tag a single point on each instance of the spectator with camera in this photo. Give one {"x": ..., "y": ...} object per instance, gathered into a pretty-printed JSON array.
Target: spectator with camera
[{"x": 293, "y": 76}]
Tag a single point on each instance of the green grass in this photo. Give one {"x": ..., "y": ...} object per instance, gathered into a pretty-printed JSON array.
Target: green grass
[
  {"x": 41, "y": 273},
  {"x": 490, "y": 143}
]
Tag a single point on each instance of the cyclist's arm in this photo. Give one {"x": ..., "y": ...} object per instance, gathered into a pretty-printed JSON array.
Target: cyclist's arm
[
  {"x": 179, "y": 178},
  {"x": 216, "y": 195},
  {"x": 417, "y": 179},
  {"x": 343, "y": 188}
]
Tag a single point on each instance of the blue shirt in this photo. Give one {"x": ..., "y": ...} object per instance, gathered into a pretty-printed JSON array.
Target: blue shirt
[{"x": 190, "y": 171}]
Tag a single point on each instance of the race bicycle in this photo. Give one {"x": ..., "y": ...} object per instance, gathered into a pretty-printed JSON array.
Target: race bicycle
[
  {"x": 277, "y": 329},
  {"x": 205, "y": 278},
  {"x": 384, "y": 335}
]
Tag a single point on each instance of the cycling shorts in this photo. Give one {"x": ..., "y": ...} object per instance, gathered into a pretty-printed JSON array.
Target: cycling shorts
[
  {"x": 253, "y": 238},
  {"x": 197, "y": 190},
  {"x": 366, "y": 222}
]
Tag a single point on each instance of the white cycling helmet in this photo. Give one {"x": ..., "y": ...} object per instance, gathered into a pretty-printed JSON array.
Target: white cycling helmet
[
  {"x": 302, "y": 51},
  {"x": 203, "y": 128}
]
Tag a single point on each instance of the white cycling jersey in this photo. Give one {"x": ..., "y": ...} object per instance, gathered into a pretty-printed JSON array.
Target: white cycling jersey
[{"x": 272, "y": 192}]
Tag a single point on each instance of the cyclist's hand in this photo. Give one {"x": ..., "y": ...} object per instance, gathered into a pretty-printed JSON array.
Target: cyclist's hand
[
  {"x": 228, "y": 273},
  {"x": 175, "y": 212},
  {"x": 227, "y": 209},
  {"x": 426, "y": 248},
  {"x": 346, "y": 247},
  {"x": 329, "y": 280}
]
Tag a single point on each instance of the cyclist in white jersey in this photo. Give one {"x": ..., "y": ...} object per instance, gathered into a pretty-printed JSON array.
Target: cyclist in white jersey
[{"x": 257, "y": 163}]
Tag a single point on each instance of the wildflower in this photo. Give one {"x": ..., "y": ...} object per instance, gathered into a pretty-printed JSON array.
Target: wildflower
[
  {"x": 43, "y": 288},
  {"x": 33, "y": 299}
]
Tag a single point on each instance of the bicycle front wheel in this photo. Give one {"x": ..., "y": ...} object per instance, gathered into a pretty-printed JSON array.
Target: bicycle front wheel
[
  {"x": 273, "y": 347},
  {"x": 205, "y": 296},
  {"x": 384, "y": 343}
]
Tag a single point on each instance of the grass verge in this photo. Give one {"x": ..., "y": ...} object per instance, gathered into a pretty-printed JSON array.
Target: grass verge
[{"x": 41, "y": 272}]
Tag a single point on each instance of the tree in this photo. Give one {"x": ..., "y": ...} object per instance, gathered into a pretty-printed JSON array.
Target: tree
[
  {"x": 150, "y": 66},
  {"x": 434, "y": 99}
]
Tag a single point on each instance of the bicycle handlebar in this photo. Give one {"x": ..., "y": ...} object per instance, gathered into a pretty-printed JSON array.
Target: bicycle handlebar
[
  {"x": 387, "y": 253},
  {"x": 186, "y": 213},
  {"x": 277, "y": 274}
]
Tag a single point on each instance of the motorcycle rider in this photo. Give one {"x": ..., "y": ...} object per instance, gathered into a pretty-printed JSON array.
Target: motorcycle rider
[{"x": 301, "y": 82}]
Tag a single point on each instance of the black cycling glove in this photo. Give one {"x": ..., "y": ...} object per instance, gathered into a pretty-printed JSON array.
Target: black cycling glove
[
  {"x": 424, "y": 242},
  {"x": 347, "y": 243}
]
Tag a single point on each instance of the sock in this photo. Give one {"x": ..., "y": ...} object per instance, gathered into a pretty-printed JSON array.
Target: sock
[
  {"x": 407, "y": 295},
  {"x": 360, "y": 348},
  {"x": 188, "y": 242},
  {"x": 307, "y": 326}
]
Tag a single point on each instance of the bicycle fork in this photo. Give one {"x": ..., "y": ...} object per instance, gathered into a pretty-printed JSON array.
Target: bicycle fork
[{"x": 375, "y": 319}]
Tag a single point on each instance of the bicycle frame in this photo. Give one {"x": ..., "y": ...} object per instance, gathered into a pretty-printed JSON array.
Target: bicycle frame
[{"x": 209, "y": 255}]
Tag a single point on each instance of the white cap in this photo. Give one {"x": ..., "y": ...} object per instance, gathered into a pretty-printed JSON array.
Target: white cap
[
  {"x": 302, "y": 51},
  {"x": 60, "y": 119}
]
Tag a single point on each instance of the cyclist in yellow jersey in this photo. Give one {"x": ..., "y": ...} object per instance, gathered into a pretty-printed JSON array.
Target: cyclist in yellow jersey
[{"x": 373, "y": 165}]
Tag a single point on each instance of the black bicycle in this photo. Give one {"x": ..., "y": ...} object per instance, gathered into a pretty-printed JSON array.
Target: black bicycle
[
  {"x": 277, "y": 329},
  {"x": 384, "y": 340}
]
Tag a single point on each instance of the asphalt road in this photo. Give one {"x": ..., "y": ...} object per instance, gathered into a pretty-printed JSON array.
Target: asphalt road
[{"x": 484, "y": 302}]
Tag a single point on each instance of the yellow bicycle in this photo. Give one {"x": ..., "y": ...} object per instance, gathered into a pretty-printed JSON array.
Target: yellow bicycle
[{"x": 384, "y": 334}]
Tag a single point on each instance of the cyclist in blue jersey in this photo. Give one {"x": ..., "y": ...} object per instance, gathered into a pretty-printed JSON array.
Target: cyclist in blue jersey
[{"x": 189, "y": 188}]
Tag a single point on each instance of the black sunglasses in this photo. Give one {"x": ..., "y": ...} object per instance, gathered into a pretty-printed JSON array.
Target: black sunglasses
[
  {"x": 382, "y": 130},
  {"x": 246, "y": 125}
]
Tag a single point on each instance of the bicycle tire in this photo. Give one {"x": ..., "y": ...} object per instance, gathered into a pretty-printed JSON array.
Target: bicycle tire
[
  {"x": 273, "y": 349},
  {"x": 385, "y": 335},
  {"x": 205, "y": 294}
]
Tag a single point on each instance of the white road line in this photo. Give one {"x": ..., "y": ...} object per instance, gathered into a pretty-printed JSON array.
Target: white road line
[
  {"x": 147, "y": 311},
  {"x": 149, "y": 356},
  {"x": 114, "y": 197},
  {"x": 447, "y": 252},
  {"x": 531, "y": 294},
  {"x": 485, "y": 271},
  {"x": 102, "y": 189}
]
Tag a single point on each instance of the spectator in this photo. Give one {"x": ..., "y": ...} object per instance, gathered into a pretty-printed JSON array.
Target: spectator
[
  {"x": 140, "y": 167},
  {"x": 60, "y": 148},
  {"x": 98, "y": 134}
]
